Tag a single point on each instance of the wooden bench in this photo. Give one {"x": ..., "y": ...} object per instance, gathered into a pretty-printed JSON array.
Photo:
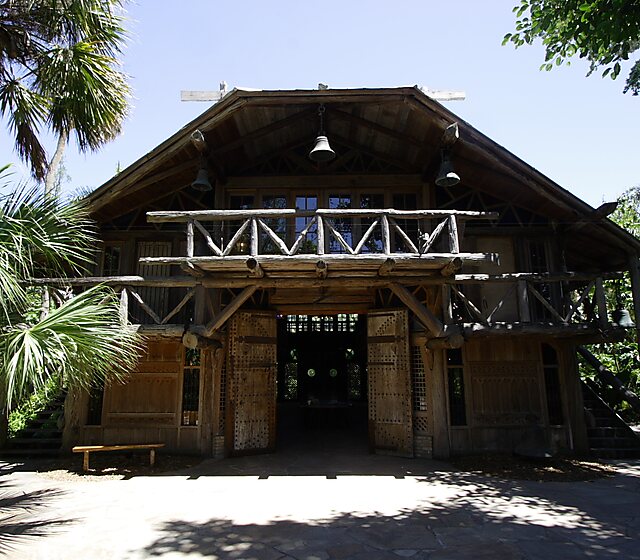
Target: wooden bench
[{"x": 87, "y": 449}]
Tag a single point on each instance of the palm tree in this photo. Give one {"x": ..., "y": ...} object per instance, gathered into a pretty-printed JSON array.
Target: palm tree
[
  {"x": 59, "y": 68},
  {"x": 83, "y": 338}
]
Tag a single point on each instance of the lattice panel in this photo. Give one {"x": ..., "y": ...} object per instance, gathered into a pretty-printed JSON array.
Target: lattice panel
[
  {"x": 252, "y": 380},
  {"x": 506, "y": 393},
  {"x": 390, "y": 411}
]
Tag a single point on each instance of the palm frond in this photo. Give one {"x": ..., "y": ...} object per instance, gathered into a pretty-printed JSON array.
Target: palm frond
[
  {"x": 25, "y": 110},
  {"x": 84, "y": 340}
]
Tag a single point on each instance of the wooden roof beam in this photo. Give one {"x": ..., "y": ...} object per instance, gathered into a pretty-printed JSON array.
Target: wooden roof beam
[{"x": 265, "y": 130}]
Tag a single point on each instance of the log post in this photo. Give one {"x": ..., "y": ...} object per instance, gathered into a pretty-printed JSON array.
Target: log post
[
  {"x": 437, "y": 367},
  {"x": 190, "y": 239},
  {"x": 320, "y": 228},
  {"x": 453, "y": 266},
  {"x": 386, "y": 267},
  {"x": 447, "y": 309},
  {"x": 386, "y": 234},
  {"x": 255, "y": 238},
  {"x": 321, "y": 269},
  {"x": 572, "y": 397},
  {"x": 601, "y": 302},
  {"x": 254, "y": 267},
  {"x": 454, "y": 244},
  {"x": 634, "y": 273},
  {"x": 523, "y": 302}
]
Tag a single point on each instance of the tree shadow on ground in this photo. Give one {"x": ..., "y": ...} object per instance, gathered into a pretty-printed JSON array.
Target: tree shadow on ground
[
  {"x": 24, "y": 515},
  {"x": 462, "y": 515}
]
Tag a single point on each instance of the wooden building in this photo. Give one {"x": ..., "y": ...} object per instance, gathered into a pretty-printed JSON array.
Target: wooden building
[{"x": 370, "y": 292}]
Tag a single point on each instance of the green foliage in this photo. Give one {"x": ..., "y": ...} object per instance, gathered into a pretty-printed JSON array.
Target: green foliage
[
  {"x": 83, "y": 339},
  {"x": 36, "y": 402},
  {"x": 604, "y": 32},
  {"x": 621, "y": 357}
]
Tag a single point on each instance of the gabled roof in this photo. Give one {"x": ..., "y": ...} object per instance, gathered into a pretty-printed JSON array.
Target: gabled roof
[{"x": 399, "y": 131}]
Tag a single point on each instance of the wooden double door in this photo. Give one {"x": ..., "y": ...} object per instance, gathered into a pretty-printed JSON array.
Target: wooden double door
[{"x": 252, "y": 374}]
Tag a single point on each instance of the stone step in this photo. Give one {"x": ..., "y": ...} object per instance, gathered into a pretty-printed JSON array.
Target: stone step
[
  {"x": 37, "y": 433},
  {"x": 615, "y": 453},
  {"x": 11, "y": 452},
  {"x": 614, "y": 443},
  {"x": 609, "y": 432},
  {"x": 34, "y": 443}
]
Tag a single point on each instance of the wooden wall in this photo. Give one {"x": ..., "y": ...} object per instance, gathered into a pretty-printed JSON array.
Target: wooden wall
[
  {"x": 505, "y": 396},
  {"x": 147, "y": 408}
]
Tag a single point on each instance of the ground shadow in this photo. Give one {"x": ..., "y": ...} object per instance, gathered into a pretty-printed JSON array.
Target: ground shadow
[
  {"x": 24, "y": 515},
  {"x": 479, "y": 518}
]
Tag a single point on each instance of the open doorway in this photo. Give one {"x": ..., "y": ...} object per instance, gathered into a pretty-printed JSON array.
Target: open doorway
[{"x": 322, "y": 382}]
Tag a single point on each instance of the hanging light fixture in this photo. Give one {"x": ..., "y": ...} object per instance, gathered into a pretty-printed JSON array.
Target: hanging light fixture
[
  {"x": 446, "y": 177},
  {"x": 202, "y": 182},
  {"x": 321, "y": 150}
]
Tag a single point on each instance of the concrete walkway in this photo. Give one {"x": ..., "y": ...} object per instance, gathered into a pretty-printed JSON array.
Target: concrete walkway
[{"x": 315, "y": 508}]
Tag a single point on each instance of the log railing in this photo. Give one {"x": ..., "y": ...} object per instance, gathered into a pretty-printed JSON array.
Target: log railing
[
  {"x": 486, "y": 301},
  {"x": 289, "y": 232},
  {"x": 559, "y": 299}
]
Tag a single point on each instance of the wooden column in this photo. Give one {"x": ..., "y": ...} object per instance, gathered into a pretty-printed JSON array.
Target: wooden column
[
  {"x": 436, "y": 368},
  {"x": 207, "y": 428},
  {"x": 573, "y": 404},
  {"x": 634, "y": 273}
]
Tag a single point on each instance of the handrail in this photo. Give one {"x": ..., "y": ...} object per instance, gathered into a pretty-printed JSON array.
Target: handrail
[
  {"x": 325, "y": 231},
  {"x": 221, "y": 215},
  {"x": 610, "y": 378}
]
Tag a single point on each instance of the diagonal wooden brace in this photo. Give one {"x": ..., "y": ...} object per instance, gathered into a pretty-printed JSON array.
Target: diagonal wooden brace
[{"x": 424, "y": 315}]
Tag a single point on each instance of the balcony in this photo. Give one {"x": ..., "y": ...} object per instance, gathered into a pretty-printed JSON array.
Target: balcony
[{"x": 324, "y": 243}]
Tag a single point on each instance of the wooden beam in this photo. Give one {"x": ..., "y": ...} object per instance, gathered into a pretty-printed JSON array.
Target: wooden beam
[
  {"x": 165, "y": 151},
  {"x": 452, "y": 267},
  {"x": 254, "y": 267},
  {"x": 265, "y": 130},
  {"x": 423, "y": 314},
  {"x": 392, "y": 133},
  {"x": 217, "y": 322}
]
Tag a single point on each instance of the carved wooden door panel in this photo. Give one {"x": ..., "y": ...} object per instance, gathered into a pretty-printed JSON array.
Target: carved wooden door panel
[
  {"x": 251, "y": 378},
  {"x": 390, "y": 422}
]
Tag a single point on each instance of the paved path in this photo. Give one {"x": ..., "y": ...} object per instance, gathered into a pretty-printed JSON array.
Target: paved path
[{"x": 336, "y": 508}]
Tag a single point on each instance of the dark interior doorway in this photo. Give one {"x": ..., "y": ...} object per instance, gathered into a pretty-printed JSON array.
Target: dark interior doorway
[{"x": 322, "y": 382}]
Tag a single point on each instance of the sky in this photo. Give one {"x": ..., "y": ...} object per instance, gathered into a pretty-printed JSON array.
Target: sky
[{"x": 581, "y": 132}]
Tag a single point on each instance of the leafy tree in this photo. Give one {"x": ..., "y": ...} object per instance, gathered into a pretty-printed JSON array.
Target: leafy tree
[
  {"x": 59, "y": 69},
  {"x": 83, "y": 338},
  {"x": 604, "y": 32},
  {"x": 622, "y": 357}
]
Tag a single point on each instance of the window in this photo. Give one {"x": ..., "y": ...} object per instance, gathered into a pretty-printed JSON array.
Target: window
[
  {"x": 96, "y": 398},
  {"x": 111, "y": 260},
  {"x": 405, "y": 201},
  {"x": 277, "y": 225},
  {"x": 310, "y": 244},
  {"x": 455, "y": 378},
  {"x": 344, "y": 226},
  {"x": 374, "y": 242},
  {"x": 191, "y": 387}
]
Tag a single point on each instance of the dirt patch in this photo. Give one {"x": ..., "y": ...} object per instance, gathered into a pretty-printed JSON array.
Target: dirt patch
[
  {"x": 107, "y": 466},
  {"x": 543, "y": 470}
]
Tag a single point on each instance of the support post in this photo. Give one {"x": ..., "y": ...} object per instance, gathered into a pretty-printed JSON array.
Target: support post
[
  {"x": 572, "y": 397},
  {"x": 523, "y": 302},
  {"x": 634, "y": 273},
  {"x": 441, "y": 444}
]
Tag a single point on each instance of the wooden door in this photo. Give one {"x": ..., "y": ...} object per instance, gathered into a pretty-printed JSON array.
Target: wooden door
[
  {"x": 251, "y": 378},
  {"x": 390, "y": 423}
]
